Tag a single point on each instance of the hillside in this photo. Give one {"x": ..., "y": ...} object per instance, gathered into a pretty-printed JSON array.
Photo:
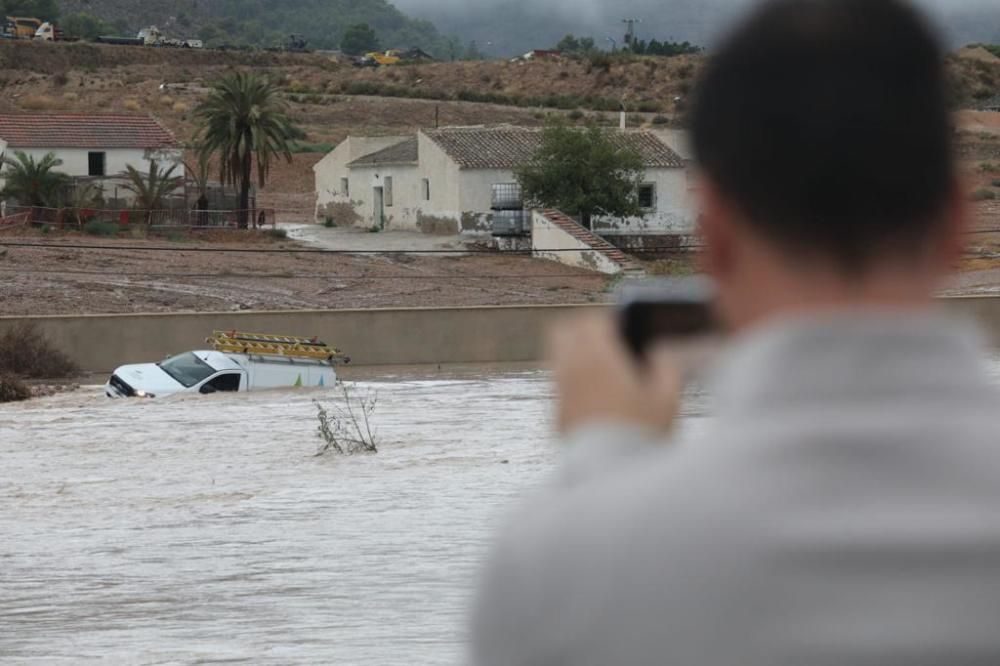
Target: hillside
[{"x": 263, "y": 22}]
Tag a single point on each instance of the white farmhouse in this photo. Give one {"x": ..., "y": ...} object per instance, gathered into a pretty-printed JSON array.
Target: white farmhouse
[
  {"x": 446, "y": 181},
  {"x": 91, "y": 147}
]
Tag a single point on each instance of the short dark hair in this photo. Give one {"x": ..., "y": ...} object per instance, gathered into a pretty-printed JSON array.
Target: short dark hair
[{"x": 826, "y": 122}]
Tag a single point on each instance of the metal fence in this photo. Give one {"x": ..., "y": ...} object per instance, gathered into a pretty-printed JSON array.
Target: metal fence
[{"x": 179, "y": 219}]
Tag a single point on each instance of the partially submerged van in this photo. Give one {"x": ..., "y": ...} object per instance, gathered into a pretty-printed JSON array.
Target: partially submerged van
[{"x": 237, "y": 362}]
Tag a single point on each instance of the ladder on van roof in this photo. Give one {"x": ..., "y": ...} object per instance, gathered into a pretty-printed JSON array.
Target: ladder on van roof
[{"x": 289, "y": 346}]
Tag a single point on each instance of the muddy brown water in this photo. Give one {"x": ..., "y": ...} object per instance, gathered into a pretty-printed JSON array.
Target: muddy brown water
[{"x": 204, "y": 530}]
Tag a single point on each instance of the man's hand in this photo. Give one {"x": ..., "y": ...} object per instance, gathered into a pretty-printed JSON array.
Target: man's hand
[{"x": 598, "y": 381}]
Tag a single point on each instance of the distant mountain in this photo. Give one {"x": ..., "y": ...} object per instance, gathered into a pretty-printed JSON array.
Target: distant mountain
[
  {"x": 508, "y": 27},
  {"x": 265, "y": 22}
]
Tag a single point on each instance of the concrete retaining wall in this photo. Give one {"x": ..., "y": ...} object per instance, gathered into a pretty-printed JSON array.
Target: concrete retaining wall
[{"x": 100, "y": 343}]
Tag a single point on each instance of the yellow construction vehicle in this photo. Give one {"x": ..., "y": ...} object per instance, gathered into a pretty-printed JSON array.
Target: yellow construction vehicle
[
  {"x": 377, "y": 59},
  {"x": 20, "y": 27}
]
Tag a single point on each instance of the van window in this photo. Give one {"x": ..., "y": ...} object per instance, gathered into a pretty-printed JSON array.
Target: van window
[{"x": 225, "y": 383}]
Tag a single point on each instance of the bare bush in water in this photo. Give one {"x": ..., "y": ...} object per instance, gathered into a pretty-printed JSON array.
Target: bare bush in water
[
  {"x": 25, "y": 352},
  {"x": 346, "y": 428}
]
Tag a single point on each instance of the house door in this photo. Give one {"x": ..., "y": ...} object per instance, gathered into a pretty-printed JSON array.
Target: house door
[{"x": 378, "y": 207}]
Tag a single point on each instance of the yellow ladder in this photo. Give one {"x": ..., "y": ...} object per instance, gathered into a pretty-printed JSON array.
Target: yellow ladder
[{"x": 290, "y": 346}]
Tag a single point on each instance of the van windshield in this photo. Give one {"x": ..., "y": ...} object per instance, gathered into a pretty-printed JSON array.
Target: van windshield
[{"x": 187, "y": 369}]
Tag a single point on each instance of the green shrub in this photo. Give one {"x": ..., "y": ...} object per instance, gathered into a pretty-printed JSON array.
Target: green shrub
[
  {"x": 661, "y": 120},
  {"x": 575, "y": 114},
  {"x": 328, "y": 222},
  {"x": 278, "y": 232},
  {"x": 46, "y": 230},
  {"x": 100, "y": 228},
  {"x": 983, "y": 194},
  {"x": 996, "y": 182}
]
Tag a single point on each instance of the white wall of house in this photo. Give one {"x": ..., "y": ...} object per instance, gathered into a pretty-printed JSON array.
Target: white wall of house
[
  {"x": 442, "y": 211},
  {"x": 76, "y": 162},
  {"x": 330, "y": 170},
  {"x": 672, "y": 212}
]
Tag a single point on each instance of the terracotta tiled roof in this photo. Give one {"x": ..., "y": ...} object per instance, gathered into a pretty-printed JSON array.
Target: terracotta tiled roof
[
  {"x": 40, "y": 130},
  {"x": 509, "y": 147},
  {"x": 403, "y": 152}
]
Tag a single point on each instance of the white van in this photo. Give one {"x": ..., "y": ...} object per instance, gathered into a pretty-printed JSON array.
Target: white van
[{"x": 238, "y": 362}]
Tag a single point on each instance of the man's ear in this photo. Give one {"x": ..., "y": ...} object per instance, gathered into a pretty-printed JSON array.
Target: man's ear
[
  {"x": 716, "y": 226},
  {"x": 955, "y": 227}
]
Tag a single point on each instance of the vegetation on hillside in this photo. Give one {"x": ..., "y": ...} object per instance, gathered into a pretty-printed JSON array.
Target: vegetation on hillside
[
  {"x": 264, "y": 23},
  {"x": 46, "y": 10}
]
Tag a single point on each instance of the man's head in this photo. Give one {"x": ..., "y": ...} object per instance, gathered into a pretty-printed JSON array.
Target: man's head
[{"x": 822, "y": 131}]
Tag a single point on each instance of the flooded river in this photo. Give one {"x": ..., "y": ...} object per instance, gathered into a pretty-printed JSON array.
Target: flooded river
[{"x": 204, "y": 530}]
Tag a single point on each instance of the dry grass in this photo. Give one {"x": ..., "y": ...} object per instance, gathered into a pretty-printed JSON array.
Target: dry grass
[
  {"x": 132, "y": 104},
  {"x": 180, "y": 107},
  {"x": 39, "y": 103}
]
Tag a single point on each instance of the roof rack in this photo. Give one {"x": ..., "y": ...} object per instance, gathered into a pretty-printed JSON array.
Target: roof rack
[{"x": 288, "y": 346}]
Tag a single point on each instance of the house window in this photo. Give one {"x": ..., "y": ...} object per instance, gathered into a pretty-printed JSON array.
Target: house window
[
  {"x": 345, "y": 187},
  {"x": 95, "y": 164},
  {"x": 647, "y": 196},
  {"x": 387, "y": 190},
  {"x": 426, "y": 186}
]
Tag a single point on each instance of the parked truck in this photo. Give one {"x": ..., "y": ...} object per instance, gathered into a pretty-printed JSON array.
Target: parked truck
[
  {"x": 50, "y": 32},
  {"x": 150, "y": 36},
  {"x": 20, "y": 27}
]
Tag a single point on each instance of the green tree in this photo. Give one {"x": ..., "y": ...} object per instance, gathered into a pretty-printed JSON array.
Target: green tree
[
  {"x": 150, "y": 189},
  {"x": 85, "y": 26},
  {"x": 33, "y": 183},
  {"x": 244, "y": 122},
  {"x": 359, "y": 39},
  {"x": 568, "y": 44},
  {"x": 587, "y": 44},
  {"x": 584, "y": 172}
]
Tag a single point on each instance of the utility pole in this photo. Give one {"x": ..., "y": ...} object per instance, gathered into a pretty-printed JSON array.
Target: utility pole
[{"x": 630, "y": 32}]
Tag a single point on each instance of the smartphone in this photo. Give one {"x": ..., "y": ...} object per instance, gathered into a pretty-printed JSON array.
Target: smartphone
[{"x": 652, "y": 311}]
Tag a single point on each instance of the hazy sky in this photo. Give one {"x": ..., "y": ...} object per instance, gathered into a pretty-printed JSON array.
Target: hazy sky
[{"x": 513, "y": 26}]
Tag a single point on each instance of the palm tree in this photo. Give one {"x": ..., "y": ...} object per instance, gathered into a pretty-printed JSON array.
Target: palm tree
[
  {"x": 32, "y": 183},
  {"x": 150, "y": 189},
  {"x": 244, "y": 121}
]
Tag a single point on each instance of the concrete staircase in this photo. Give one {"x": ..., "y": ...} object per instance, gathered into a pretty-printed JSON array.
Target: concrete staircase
[{"x": 628, "y": 265}]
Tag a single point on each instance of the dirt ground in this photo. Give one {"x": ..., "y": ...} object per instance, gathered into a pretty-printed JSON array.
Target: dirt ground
[{"x": 69, "y": 279}]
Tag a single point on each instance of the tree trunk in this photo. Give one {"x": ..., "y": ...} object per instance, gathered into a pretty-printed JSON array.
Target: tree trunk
[
  {"x": 245, "y": 176},
  {"x": 585, "y": 220}
]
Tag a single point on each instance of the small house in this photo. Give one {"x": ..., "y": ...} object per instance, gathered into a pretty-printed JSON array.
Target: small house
[{"x": 94, "y": 148}]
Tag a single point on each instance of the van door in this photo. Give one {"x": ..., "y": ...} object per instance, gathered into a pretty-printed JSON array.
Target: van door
[{"x": 226, "y": 382}]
